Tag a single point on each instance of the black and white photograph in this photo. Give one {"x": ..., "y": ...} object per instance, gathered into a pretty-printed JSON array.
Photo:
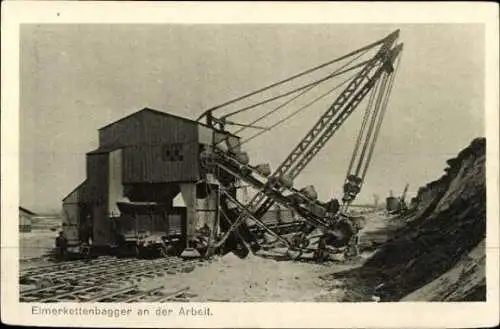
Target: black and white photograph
[{"x": 180, "y": 165}]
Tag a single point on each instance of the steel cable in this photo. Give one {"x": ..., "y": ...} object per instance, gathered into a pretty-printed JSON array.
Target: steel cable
[
  {"x": 365, "y": 48},
  {"x": 294, "y": 113},
  {"x": 309, "y": 88},
  {"x": 293, "y": 91},
  {"x": 384, "y": 110},
  {"x": 363, "y": 126},
  {"x": 372, "y": 124}
]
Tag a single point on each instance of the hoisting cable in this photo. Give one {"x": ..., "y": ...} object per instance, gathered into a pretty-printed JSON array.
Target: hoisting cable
[
  {"x": 386, "y": 93},
  {"x": 363, "y": 126},
  {"x": 294, "y": 113},
  {"x": 371, "y": 114},
  {"x": 381, "y": 118},
  {"x": 370, "y": 46},
  {"x": 297, "y": 96},
  {"x": 372, "y": 123},
  {"x": 276, "y": 108},
  {"x": 369, "y": 61},
  {"x": 329, "y": 130},
  {"x": 331, "y": 120},
  {"x": 244, "y": 125},
  {"x": 380, "y": 112},
  {"x": 293, "y": 91}
]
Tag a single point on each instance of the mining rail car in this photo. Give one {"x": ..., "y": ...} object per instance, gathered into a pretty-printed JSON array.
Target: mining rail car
[{"x": 148, "y": 228}]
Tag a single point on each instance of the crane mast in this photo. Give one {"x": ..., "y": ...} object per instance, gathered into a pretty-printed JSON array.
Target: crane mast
[{"x": 334, "y": 117}]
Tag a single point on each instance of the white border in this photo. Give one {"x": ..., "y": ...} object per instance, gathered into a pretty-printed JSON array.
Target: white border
[{"x": 338, "y": 315}]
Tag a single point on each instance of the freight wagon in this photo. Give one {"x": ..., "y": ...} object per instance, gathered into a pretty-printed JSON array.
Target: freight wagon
[
  {"x": 149, "y": 228},
  {"x": 139, "y": 229}
]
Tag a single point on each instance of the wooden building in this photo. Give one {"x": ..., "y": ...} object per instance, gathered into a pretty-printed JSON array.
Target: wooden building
[
  {"x": 25, "y": 218},
  {"x": 148, "y": 156}
]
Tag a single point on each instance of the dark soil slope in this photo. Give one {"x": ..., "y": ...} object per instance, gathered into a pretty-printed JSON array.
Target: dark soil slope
[{"x": 449, "y": 221}]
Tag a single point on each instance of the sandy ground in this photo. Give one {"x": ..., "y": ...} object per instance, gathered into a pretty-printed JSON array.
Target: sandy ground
[
  {"x": 253, "y": 279},
  {"x": 267, "y": 279}
]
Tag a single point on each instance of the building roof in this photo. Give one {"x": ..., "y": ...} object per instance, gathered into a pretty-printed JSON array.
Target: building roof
[
  {"x": 146, "y": 109},
  {"x": 105, "y": 149},
  {"x": 21, "y": 209},
  {"x": 74, "y": 190}
]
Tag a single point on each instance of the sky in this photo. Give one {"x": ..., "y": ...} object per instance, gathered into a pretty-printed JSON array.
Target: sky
[{"x": 78, "y": 78}]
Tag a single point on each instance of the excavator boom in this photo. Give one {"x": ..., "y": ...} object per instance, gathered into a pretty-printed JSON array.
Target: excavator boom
[{"x": 374, "y": 75}]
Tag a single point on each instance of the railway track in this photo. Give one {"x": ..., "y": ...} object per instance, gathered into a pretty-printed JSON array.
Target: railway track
[
  {"x": 32, "y": 264},
  {"x": 89, "y": 271},
  {"x": 73, "y": 266},
  {"x": 116, "y": 282},
  {"x": 109, "y": 293}
]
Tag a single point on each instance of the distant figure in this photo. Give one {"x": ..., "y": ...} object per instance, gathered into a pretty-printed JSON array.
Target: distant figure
[{"x": 61, "y": 245}]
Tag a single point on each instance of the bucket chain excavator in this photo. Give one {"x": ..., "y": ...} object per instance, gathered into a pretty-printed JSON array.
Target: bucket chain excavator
[{"x": 331, "y": 220}]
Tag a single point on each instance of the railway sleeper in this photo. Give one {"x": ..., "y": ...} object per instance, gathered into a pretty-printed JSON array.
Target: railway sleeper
[
  {"x": 70, "y": 264},
  {"x": 87, "y": 294},
  {"x": 71, "y": 289},
  {"x": 73, "y": 270},
  {"x": 52, "y": 278}
]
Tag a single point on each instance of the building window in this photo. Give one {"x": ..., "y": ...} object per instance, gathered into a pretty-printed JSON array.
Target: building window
[{"x": 172, "y": 152}]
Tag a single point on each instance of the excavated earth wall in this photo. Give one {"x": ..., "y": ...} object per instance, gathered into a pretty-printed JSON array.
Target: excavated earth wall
[{"x": 440, "y": 244}]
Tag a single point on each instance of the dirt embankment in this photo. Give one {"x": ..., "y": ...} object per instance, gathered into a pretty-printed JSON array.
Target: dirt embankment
[{"x": 440, "y": 244}]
